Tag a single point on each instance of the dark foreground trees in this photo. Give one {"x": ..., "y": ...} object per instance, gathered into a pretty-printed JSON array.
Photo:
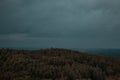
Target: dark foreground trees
[{"x": 56, "y": 64}]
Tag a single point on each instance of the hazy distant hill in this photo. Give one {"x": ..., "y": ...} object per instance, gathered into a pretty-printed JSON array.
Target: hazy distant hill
[
  {"x": 108, "y": 52},
  {"x": 56, "y": 64}
]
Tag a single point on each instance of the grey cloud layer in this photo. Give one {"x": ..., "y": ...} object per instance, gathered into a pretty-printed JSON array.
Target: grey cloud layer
[
  {"x": 54, "y": 15},
  {"x": 61, "y": 18}
]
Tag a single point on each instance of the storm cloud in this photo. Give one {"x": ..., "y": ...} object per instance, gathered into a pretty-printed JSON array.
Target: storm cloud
[{"x": 60, "y": 23}]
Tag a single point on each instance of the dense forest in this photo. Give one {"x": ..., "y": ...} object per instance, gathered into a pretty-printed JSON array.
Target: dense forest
[{"x": 56, "y": 64}]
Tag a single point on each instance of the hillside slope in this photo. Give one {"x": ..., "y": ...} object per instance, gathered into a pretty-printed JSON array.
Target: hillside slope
[{"x": 56, "y": 64}]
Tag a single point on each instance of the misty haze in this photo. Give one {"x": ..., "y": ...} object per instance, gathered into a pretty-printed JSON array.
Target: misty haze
[{"x": 59, "y": 40}]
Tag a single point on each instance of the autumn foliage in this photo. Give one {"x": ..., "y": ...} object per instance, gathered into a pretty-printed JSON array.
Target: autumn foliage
[{"x": 56, "y": 64}]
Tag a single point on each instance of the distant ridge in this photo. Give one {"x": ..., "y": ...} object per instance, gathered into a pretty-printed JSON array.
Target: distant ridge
[{"x": 101, "y": 51}]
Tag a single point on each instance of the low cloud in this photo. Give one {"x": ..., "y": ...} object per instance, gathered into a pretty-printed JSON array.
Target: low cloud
[{"x": 82, "y": 19}]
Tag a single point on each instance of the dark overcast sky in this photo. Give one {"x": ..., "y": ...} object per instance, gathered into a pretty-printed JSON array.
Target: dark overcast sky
[{"x": 60, "y": 23}]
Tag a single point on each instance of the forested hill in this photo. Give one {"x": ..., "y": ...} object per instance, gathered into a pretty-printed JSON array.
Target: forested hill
[{"x": 56, "y": 64}]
